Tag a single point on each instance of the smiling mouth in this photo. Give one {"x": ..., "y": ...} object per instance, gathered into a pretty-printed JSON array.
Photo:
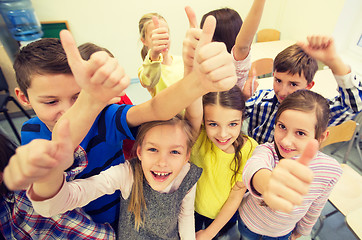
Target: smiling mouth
[
  {"x": 160, "y": 176},
  {"x": 286, "y": 150},
  {"x": 223, "y": 142}
]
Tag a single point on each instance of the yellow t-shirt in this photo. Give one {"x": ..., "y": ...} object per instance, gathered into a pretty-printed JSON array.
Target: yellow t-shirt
[
  {"x": 214, "y": 185},
  {"x": 156, "y": 76}
]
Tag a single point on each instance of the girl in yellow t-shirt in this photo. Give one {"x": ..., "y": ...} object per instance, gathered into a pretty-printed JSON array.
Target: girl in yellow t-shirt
[
  {"x": 221, "y": 150},
  {"x": 159, "y": 69}
]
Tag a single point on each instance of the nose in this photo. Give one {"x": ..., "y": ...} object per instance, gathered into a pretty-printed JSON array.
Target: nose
[
  {"x": 223, "y": 132},
  {"x": 64, "y": 106},
  {"x": 162, "y": 160},
  {"x": 287, "y": 140},
  {"x": 283, "y": 91}
]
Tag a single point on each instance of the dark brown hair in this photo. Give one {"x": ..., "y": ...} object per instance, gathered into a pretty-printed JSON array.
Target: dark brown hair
[
  {"x": 232, "y": 99},
  {"x": 228, "y": 24},
  {"x": 137, "y": 204},
  {"x": 307, "y": 101},
  {"x": 7, "y": 149},
  {"x": 87, "y": 49},
  {"x": 293, "y": 60},
  {"x": 45, "y": 56}
]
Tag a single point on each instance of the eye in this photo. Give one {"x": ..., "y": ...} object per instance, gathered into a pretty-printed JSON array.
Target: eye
[
  {"x": 300, "y": 133},
  {"x": 175, "y": 152},
  {"x": 152, "y": 150},
  {"x": 233, "y": 124},
  {"x": 213, "y": 124},
  {"x": 281, "y": 126},
  {"x": 278, "y": 80},
  {"x": 74, "y": 98},
  {"x": 51, "y": 102},
  {"x": 294, "y": 84}
]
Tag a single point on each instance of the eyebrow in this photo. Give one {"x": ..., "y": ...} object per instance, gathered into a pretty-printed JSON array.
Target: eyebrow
[
  {"x": 156, "y": 145},
  {"x": 50, "y": 96}
]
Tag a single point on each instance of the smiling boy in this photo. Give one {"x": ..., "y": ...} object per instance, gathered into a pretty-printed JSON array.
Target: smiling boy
[{"x": 294, "y": 69}]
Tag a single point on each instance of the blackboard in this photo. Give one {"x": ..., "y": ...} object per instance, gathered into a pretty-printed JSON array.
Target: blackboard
[{"x": 51, "y": 29}]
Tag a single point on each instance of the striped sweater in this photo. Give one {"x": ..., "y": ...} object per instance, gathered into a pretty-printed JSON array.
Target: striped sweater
[{"x": 265, "y": 221}]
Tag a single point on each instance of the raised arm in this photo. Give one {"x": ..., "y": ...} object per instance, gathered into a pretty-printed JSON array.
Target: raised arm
[
  {"x": 213, "y": 71},
  {"x": 41, "y": 161},
  {"x": 288, "y": 182},
  {"x": 322, "y": 48},
  {"x": 101, "y": 79},
  {"x": 150, "y": 72},
  {"x": 248, "y": 29},
  {"x": 194, "y": 112}
]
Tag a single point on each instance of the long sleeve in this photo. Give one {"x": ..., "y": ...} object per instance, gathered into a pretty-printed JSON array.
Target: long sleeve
[
  {"x": 150, "y": 72},
  {"x": 349, "y": 101},
  {"x": 80, "y": 192},
  {"x": 186, "y": 217},
  {"x": 305, "y": 225}
]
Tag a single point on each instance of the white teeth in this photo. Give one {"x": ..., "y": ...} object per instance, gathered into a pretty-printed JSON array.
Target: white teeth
[{"x": 160, "y": 174}]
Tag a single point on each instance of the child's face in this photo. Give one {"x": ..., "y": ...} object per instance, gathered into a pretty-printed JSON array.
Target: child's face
[
  {"x": 148, "y": 34},
  {"x": 50, "y": 96},
  {"x": 223, "y": 126},
  {"x": 163, "y": 154},
  {"x": 285, "y": 84},
  {"x": 293, "y": 130}
]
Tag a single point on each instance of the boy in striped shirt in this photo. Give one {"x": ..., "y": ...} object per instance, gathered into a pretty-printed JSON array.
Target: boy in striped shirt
[{"x": 294, "y": 68}]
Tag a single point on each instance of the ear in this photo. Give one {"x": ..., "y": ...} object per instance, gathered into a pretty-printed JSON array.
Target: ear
[
  {"x": 138, "y": 152},
  {"x": 323, "y": 136},
  {"x": 310, "y": 85},
  {"x": 22, "y": 98},
  {"x": 188, "y": 156},
  {"x": 143, "y": 40}
]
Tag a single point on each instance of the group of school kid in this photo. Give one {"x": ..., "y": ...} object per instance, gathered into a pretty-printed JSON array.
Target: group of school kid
[{"x": 190, "y": 172}]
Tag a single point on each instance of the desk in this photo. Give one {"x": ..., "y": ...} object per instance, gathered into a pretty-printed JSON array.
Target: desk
[
  {"x": 346, "y": 195},
  {"x": 325, "y": 83},
  {"x": 353, "y": 220},
  {"x": 268, "y": 49}
]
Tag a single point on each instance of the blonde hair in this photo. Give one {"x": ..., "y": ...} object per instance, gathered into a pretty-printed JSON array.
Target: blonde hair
[
  {"x": 142, "y": 26},
  {"x": 137, "y": 204}
]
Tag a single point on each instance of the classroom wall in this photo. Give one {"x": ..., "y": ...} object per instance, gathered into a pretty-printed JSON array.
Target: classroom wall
[{"x": 114, "y": 23}]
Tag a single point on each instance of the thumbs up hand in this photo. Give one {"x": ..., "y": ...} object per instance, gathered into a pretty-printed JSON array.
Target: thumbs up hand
[
  {"x": 101, "y": 76},
  {"x": 160, "y": 39},
  {"x": 213, "y": 64},
  {"x": 190, "y": 42},
  {"x": 290, "y": 181},
  {"x": 39, "y": 159}
]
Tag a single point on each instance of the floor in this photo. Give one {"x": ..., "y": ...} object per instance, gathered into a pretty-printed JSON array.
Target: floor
[{"x": 334, "y": 228}]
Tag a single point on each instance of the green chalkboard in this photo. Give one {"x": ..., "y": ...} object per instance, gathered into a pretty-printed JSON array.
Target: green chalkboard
[{"x": 52, "y": 29}]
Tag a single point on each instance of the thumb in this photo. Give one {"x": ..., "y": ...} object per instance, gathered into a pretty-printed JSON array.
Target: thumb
[
  {"x": 207, "y": 31},
  {"x": 191, "y": 16},
  {"x": 309, "y": 152},
  {"x": 155, "y": 21},
  {"x": 61, "y": 133},
  {"x": 71, "y": 50}
]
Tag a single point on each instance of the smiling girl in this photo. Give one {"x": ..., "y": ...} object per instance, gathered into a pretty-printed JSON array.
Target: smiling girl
[
  {"x": 277, "y": 179},
  {"x": 221, "y": 150},
  {"x": 157, "y": 187}
]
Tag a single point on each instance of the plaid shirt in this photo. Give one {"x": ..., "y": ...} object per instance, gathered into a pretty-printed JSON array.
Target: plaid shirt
[
  {"x": 19, "y": 220},
  {"x": 263, "y": 105}
]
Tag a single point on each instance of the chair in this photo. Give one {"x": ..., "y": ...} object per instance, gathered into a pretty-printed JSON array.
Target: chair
[
  {"x": 346, "y": 196},
  {"x": 356, "y": 140},
  {"x": 267, "y": 35},
  {"x": 345, "y": 132},
  {"x": 261, "y": 67},
  {"x": 4, "y": 99}
]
